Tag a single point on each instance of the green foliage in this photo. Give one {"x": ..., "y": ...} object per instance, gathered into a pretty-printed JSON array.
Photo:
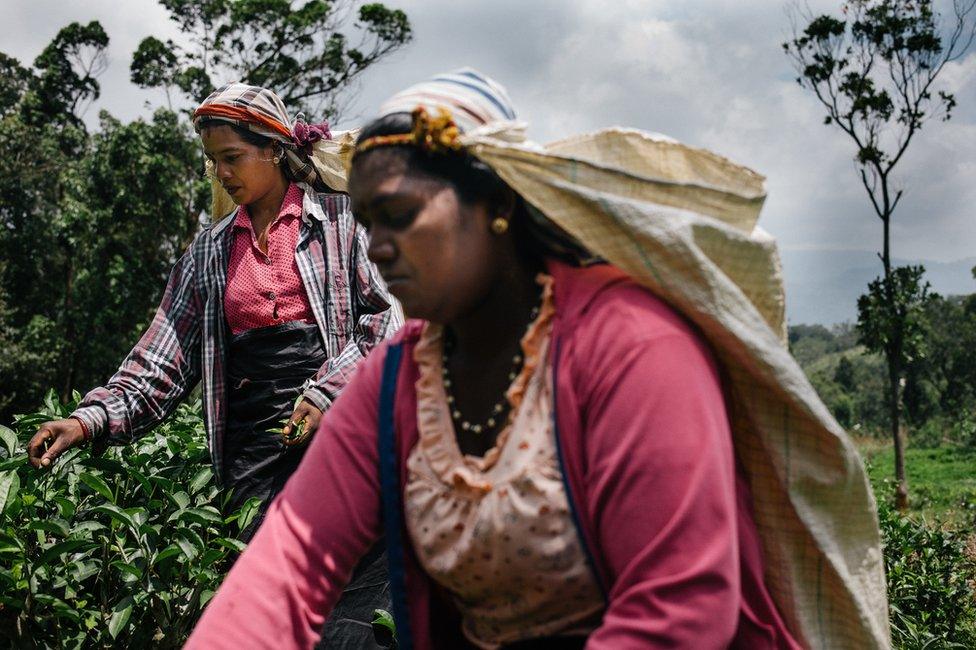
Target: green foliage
[
  {"x": 891, "y": 316},
  {"x": 957, "y": 429},
  {"x": 119, "y": 551},
  {"x": 810, "y": 342},
  {"x": 155, "y": 64},
  {"x": 939, "y": 392},
  {"x": 306, "y": 51},
  {"x": 930, "y": 584},
  {"x": 28, "y": 352},
  {"x": 844, "y": 374},
  {"x": 849, "y": 380},
  {"x": 66, "y": 75},
  {"x": 928, "y": 554},
  {"x": 873, "y": 70},
  {"x": 948, "y": 371},
  {"x": 89, "y": 226},
  {"x": 13, "y": 84}
]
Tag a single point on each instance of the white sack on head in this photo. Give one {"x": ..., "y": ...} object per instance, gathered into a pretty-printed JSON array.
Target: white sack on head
[{"x": 682, "y": 222}]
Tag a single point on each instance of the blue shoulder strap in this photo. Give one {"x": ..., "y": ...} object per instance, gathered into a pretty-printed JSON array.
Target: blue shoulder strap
[{"x": 390, "y": 497}]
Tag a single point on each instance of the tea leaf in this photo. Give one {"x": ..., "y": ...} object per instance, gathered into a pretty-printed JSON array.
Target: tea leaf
[
  {"x": 60, "y": 549},
  {"x": 200, "y": 479},
  {"x": 169, "y": 551},
  {"x": 56, "y": 526},
  {"x": 248, "y": 512},
  {"x": 205, "y": 515},
  {"x": 120, "y": 616},
  {"x": 9, "y": 439},
  {"x": 9, "y": 485},
  {"x": 189, "y": 550},
  {"x": 97, "y": 484}
]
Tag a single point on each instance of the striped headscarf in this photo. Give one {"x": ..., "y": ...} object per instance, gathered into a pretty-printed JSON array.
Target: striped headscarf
[
  {"x": 467, "y": 102},
  {"x": 262, "y": 111},
  {"x": 473, "y": 99}
]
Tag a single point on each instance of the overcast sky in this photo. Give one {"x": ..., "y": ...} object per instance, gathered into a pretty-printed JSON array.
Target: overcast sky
[{"x": 708, "y": 72}]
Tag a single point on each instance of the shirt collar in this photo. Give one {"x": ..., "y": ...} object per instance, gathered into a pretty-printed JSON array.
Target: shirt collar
[{"x": 311, "y": 208}]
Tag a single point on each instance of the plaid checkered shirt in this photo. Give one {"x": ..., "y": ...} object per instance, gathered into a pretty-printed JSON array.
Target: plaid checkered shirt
[{"x": 188, "y": 338}]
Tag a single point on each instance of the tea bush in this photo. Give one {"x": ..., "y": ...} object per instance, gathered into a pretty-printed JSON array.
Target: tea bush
[
  {"x": 118, "y": 551},
  {"x": 126, "y": 550},
  {"x": 930, "y": 584}
]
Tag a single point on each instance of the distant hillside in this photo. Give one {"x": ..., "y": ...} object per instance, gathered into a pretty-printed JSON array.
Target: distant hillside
[{"x": 823, "y": 286}]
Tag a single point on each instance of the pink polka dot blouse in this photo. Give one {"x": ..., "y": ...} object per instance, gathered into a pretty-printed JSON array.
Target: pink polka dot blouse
[
  {"x": 496, "y": 531},
  {"x": 265, "y": 289}
]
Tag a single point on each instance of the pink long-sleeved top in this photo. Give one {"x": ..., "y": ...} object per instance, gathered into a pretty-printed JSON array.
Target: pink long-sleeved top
[{"x": 649, "y": 468}]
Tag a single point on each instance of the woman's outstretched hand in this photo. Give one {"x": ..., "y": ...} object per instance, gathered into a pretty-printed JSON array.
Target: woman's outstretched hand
[
  {"x": 53, "y": 439},
  {"x": 302, "y": 424}
]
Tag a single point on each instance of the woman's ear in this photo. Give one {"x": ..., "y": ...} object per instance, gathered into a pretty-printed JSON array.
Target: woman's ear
[{"x": 505, "y": 204}]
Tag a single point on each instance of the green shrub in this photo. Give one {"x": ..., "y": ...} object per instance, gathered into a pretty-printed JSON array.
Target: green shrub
[
  {"x": 957, "y": 429},
  {"x": 930, "y": 584},
  {"x": 119, "y": 551}
]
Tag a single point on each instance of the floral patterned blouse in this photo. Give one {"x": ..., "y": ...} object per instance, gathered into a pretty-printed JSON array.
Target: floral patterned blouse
[{"x": 496, "y": 530}]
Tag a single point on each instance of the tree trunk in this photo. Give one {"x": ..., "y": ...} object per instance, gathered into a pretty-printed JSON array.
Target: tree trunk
[
  {"x": 893, "y": 353},
  {"x": 894, "y": 411},
  {"x": 69, "y": 358}
]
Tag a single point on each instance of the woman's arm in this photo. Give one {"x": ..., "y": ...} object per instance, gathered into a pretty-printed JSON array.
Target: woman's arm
[
  {"x": 660, "y": 491},
  {"x": 159, "y": 371},
  {"x": 283, "y": 587},
  {"x": 376, "y": 317}
]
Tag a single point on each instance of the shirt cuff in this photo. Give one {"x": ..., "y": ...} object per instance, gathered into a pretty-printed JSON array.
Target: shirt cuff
[
  {"x": 317, "y": 397},
  {"x": 94, "y": 418}
]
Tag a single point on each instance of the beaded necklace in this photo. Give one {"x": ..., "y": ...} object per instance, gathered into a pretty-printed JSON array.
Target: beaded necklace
[{"x": 501, "y": 411}]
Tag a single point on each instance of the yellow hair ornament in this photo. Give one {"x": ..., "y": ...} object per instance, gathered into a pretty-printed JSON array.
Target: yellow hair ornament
[{"x": 434, "y": 134}]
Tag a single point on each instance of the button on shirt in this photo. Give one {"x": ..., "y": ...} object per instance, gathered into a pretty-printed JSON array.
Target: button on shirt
[{"x": 265, "y": 289}]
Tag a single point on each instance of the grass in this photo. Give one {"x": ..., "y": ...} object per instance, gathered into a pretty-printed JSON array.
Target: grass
[{"x": 941, "y": 481}]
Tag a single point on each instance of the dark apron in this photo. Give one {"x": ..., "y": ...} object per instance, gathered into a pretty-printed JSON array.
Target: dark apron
[{"x": 266, "y": 369}]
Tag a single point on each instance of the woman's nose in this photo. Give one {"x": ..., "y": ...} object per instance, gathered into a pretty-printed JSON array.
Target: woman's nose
[
  {"x": 381, "y": 250},
  {"x": 221, "y": 171}
]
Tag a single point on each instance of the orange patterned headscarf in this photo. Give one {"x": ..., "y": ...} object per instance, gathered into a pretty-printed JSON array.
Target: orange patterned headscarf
[{"x": 262, "y": 111}]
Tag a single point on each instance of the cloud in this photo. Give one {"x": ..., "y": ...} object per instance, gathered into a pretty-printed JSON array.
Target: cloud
[
  {"x": 708, "y": 72},
  {"x": 29, "y": 25},
  {"x": 711, "y": 73}
]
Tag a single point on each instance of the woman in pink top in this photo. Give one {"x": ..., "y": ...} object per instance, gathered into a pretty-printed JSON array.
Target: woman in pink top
[
  {"x": 271, "y": 309},
  {"x": 545, "y": 445}
]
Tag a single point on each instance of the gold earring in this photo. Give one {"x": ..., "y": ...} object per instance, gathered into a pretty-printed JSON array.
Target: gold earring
[
  {"x": 499, "y": 225},
  {"x": 276, "y": 160}
]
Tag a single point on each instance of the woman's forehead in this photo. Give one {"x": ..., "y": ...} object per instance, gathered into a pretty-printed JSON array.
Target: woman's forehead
[
  {"x": 377, "y": 182},
  {"x": 217, "y": 138},
  {"x": 383, "y": 160},
  {"x": 375, "y": 168},
  {"x": 371, "y": 188}
]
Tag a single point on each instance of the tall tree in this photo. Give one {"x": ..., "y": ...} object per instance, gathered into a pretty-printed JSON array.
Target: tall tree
[
  {"x": 874, "y": 70},
  {"x": 90, "y": 223},
  {"x": 310, "y": 52},
  {"x": 66, "y": 76}
]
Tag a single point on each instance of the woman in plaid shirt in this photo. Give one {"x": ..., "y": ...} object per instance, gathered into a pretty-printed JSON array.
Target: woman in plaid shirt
[{"x": 272, "y": 307}]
